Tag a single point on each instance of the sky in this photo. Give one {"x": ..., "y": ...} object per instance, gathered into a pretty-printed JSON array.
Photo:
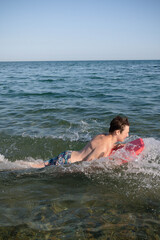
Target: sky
[{"x": 55, "y": 30}]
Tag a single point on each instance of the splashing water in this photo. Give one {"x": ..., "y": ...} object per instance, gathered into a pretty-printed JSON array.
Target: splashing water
[{"x": 146, "y": 166}]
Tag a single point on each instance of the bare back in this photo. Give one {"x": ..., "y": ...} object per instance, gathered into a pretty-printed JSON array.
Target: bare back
[{"x": 100, "y": 146}]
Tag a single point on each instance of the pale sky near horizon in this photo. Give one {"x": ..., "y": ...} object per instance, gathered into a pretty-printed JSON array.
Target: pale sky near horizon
[{"x": 46, "y": 30}]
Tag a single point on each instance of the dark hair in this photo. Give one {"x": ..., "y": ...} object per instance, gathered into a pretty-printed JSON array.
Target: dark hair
[{"x": 118, "y": 123}]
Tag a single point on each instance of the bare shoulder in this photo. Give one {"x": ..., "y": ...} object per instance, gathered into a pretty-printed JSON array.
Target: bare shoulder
[
  {"x": 101, "y": 145},
  {"x": 99, "y": 140},
  {"x": 102, "y": 135}
]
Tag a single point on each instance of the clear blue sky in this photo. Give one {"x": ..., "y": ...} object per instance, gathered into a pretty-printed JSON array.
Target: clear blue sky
[{"x": 79, "y": 29}]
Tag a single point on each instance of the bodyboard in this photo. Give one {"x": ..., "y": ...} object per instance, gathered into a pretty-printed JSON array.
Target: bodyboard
[{"x": 130, "y": 150}]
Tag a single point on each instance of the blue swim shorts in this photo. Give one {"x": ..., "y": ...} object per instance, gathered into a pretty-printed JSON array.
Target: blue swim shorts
[{"x": 62, "y": 158}]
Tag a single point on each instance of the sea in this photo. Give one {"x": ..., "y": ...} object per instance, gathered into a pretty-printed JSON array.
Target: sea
[{"x": 49, "y": 107}]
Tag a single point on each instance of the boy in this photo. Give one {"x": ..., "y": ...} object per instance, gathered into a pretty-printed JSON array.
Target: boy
[{"x": 100, "y": 146}]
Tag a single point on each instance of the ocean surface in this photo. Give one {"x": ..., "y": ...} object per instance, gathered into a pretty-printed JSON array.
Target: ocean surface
[{"x": 49, "y": 107}]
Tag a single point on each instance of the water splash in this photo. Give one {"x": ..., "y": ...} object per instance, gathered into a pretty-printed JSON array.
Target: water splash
[
  {"x": 137, "y": 180},
  {"x": 6, "y": 165},
  {"x": 147, "y": 163}
]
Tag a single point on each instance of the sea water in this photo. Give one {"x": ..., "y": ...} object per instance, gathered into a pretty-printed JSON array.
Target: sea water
[{"x": 49, "y": 107}]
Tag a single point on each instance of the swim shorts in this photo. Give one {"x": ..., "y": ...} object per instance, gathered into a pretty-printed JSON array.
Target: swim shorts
[{"x": 62, "y": 158}]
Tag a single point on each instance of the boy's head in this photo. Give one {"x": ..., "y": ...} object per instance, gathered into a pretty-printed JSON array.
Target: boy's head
[{"x": 118, "y": 123}]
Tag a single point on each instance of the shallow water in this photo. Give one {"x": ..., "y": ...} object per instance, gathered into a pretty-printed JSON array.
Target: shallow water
[{"x": 48, "y": 107}]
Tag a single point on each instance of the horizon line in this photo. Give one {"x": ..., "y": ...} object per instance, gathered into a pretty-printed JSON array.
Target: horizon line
[{"x": 102, "y": 60}]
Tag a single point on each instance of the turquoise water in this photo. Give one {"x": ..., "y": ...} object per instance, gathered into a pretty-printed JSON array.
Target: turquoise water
[{"x": 48, "y": 107}]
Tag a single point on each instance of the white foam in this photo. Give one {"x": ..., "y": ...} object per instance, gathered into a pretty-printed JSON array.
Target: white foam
[
  {"x": 142, "y": 171},
  {"x": 147, "y": 163},
  {"x": 5, "y": 164}
]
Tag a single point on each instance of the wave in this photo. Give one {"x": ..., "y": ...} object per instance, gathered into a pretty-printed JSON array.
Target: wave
[
  {"x": 6, "y": 165},
  {"x": 147, "y": 163},
  {"x": 136, "y": 180}
]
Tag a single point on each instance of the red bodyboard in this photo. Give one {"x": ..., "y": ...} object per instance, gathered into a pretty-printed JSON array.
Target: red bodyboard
[{"x": 132, "y": 149}]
